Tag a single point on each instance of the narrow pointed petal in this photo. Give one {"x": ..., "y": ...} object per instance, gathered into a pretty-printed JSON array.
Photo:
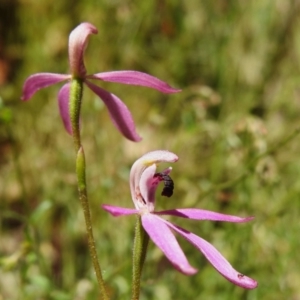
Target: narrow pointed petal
[
  {"x": 201, "y": 214},
  {"x": 117, "y": 211},
  {"x": 135, "y": 78},
  {"x": 218, "y": 261},
  {"x": 39, "y": 81},
  {"x": 163, "y": 237},
  {"x": 118, "y": 111},
  {"x": 63, "y": 105},
  {"x": 78, "y": 41}
]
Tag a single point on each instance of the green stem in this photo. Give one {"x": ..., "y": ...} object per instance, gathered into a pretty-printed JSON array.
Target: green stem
[
  {"x": 76, "y": 91},
  {"x": 75, "y": 106},
  {"x": 140, "y": 244}
]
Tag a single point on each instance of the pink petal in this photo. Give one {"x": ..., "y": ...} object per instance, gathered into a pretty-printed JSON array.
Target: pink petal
[
  {"x": 38, "y": 81},
  {"x": 135, "y": 78},
  {"x": 78, "y": 40},
  {"x": 63, "y": 104},
  {"x": 117, "y": 211},
  {"x": 118, "y": 111},
  {"x": 163, "y": 237},
  {"x": 218, "y": 261},
  {"x": 201, "y": 214}
]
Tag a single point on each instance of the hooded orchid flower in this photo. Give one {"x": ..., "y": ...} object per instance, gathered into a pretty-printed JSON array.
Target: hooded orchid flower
[
  {"x": 118, "y": 111},
  {"x": 143, "y": 184}
]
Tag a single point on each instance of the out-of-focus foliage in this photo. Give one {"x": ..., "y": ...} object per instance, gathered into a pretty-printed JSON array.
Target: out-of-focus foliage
[{"x": 234, "y": 126}]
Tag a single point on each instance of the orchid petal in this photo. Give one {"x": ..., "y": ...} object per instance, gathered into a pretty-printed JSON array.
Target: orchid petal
[
  {"x": 118, "y": 111},
  {"x": 63, "y": 104},
  {"x": 163, "y": 237},
  {"x": 150, "y": 158},
  {"x": 39, "y": 81},
  {"x": 201, "y": 214},
  {"x": 135, "y": 78},
  {"x": 218, "y": 261},
  {"x": 117, "y": 211},
  {"x": 78, "y": 41}
]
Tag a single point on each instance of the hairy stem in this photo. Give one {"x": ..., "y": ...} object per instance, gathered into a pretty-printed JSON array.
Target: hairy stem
[
  {"x": 140, "y": 244},
  {"x": 75, "y": 106},
  {"x": 76, "y": 91}
]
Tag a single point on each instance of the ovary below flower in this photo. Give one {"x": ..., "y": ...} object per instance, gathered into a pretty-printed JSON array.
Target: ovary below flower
[{"x": 143, "y": 184}]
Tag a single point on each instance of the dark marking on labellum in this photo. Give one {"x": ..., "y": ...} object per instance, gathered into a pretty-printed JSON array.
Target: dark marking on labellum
[{"x": 168, "y": 184}]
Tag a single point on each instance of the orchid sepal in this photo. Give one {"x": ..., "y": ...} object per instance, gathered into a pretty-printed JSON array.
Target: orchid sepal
[{"x": 135, "y": 78}]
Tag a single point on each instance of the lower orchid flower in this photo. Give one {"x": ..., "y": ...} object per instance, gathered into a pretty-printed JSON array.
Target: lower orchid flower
[{"x": 143, "y": 184}]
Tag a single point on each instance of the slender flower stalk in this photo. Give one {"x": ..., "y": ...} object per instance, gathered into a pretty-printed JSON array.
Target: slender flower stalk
[
  {"x": 75, "y": 106},
  {"x": 143, "y": 184},
  {"x": 140, "y": 244},
  {"x": 119, "y": 113}
]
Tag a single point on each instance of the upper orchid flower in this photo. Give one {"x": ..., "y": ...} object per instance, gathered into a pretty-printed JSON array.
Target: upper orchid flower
[
  {"x": 143, "y": 184},
  {"x": 119, "y": 113}
]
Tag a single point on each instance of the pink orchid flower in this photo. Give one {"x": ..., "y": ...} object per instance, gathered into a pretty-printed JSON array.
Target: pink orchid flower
[
  {"x": 118, "y": 111},
  {"x": 143, "y": 184}
]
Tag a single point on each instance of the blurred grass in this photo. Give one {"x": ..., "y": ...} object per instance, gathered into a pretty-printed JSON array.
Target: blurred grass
[{"x": 237, "y": 63}]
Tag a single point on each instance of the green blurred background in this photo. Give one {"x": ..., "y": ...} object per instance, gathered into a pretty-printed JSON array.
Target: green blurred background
[{"x": 234, "y": 126}]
